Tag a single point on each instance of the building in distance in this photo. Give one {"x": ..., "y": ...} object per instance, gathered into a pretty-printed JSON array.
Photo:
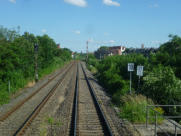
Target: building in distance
[
  {"x": 145, "y": 51},
  {"x": 104, "y": 51},
  {"x": 116, "y": 50}
]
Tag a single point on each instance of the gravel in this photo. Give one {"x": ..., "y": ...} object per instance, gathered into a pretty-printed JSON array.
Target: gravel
[
  {"x": 57, "y": 108},
  {"x": 119, "y": 126},
  {"x": 88, "y": 119}
]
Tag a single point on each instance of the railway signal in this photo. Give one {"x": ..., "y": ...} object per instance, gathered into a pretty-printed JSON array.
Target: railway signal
[
  {"x": 36, "y": 61},
  {"x": 130, "y": 69}
]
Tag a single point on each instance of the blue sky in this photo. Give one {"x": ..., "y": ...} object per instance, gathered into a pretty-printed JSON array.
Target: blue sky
[{"x": 103, "y": 22}]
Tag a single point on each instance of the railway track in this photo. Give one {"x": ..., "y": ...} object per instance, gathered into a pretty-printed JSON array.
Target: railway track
[
  {"x": 23, "y": 125},
  {"x": 87, "y": 117},
  {"x": 17, "y": 106}
]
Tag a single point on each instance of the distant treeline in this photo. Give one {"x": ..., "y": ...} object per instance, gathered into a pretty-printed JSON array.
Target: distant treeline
[{"x": 17, "y": 58}]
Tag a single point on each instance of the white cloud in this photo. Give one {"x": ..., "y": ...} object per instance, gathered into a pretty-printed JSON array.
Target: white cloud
[
  {"x": 154, "y": 6},
  {"x": 91, "y": 40},
  {"x": 12, "y": 1},
  {"x": 111, "y": 41},
  {"x": 80, "y": 3},
  {"x": 43, "y": 30},
  {"x": 104, "y": 42},
  {"x": 155, "y": 42},
  {"x": 111, "y": 3},
  {"x": 77, "y": 32}
]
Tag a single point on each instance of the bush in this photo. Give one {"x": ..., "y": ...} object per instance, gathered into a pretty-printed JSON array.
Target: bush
[
  {"x": 92, "y": 63},
  {"x": 162, "y": 86},
  {"x": 17, "y": 57},
  {"x": 113, "y": 74}
]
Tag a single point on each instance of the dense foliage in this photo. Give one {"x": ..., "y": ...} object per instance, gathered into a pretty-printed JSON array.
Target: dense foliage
[
  {"x": 162, "y": 77},
  {"x": 112, "y": 72},
  {"x": 17, "y": 59},
  {"x": 101, "y": 52},
  {"x": 170, "y": 55},
  {"x": 162, "y": 86}
]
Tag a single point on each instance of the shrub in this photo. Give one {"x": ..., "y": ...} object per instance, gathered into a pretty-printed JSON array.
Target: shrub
[{"x": 162, "y": 86}]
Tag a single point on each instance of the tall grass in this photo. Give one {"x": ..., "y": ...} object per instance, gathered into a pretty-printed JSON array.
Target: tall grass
[
  {"x": 17, "y": 81},
  {"x": 57, "y": 63},
  {"x": 133, "y": 108},
  {"x": 4, "y": 97}
]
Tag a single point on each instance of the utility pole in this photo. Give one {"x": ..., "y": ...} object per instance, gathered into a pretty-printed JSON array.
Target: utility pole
[
  {"x": 87, "y": 51},
  {"x": 36, "y": 61}
]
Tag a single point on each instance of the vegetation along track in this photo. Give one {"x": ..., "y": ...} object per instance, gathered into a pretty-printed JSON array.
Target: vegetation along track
[
  {"x": 87, "y": 118},
  {"x": 20, "y": 126},
  {"x": 16, "y": 107}
]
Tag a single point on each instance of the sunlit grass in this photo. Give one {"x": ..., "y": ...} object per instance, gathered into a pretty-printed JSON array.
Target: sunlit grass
[{"x": 133, "y": 108}]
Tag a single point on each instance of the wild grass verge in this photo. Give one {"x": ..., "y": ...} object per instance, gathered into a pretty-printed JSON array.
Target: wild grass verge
[{"x": 133, "y": 108}]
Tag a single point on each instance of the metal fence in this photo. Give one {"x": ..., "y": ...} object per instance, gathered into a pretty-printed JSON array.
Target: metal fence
[{"x": 156, "y": 114}]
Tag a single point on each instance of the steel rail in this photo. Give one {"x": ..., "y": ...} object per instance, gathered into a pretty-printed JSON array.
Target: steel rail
[
  {"x": 73, "y": 131},
  {"x": 16, "y": 107},
  {"x": 35, "y": 112},
  {"x": 105, "y": 124}
]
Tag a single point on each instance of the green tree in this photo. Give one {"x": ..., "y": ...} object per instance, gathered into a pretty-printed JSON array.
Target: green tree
[
  {"x": 169, "y": 54},
  {"x": 102, "y": 52},
  {"x": 162, "y": 86},
  {"x": 17, "y": 59}
]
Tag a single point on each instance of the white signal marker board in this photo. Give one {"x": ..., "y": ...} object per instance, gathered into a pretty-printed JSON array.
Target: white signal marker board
[
  {"x": 130, "y": 67},
  {"x": 140, "y": 70}
]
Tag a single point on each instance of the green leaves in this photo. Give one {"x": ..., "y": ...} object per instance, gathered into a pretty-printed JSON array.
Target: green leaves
[
  {"x": 9, "y": 35},
  {"x": 103, "y": 50},
  {"x": 17, "y": 58},
  {"x": 113, "y": 74},
  {"x": 162, "y": 86}
]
